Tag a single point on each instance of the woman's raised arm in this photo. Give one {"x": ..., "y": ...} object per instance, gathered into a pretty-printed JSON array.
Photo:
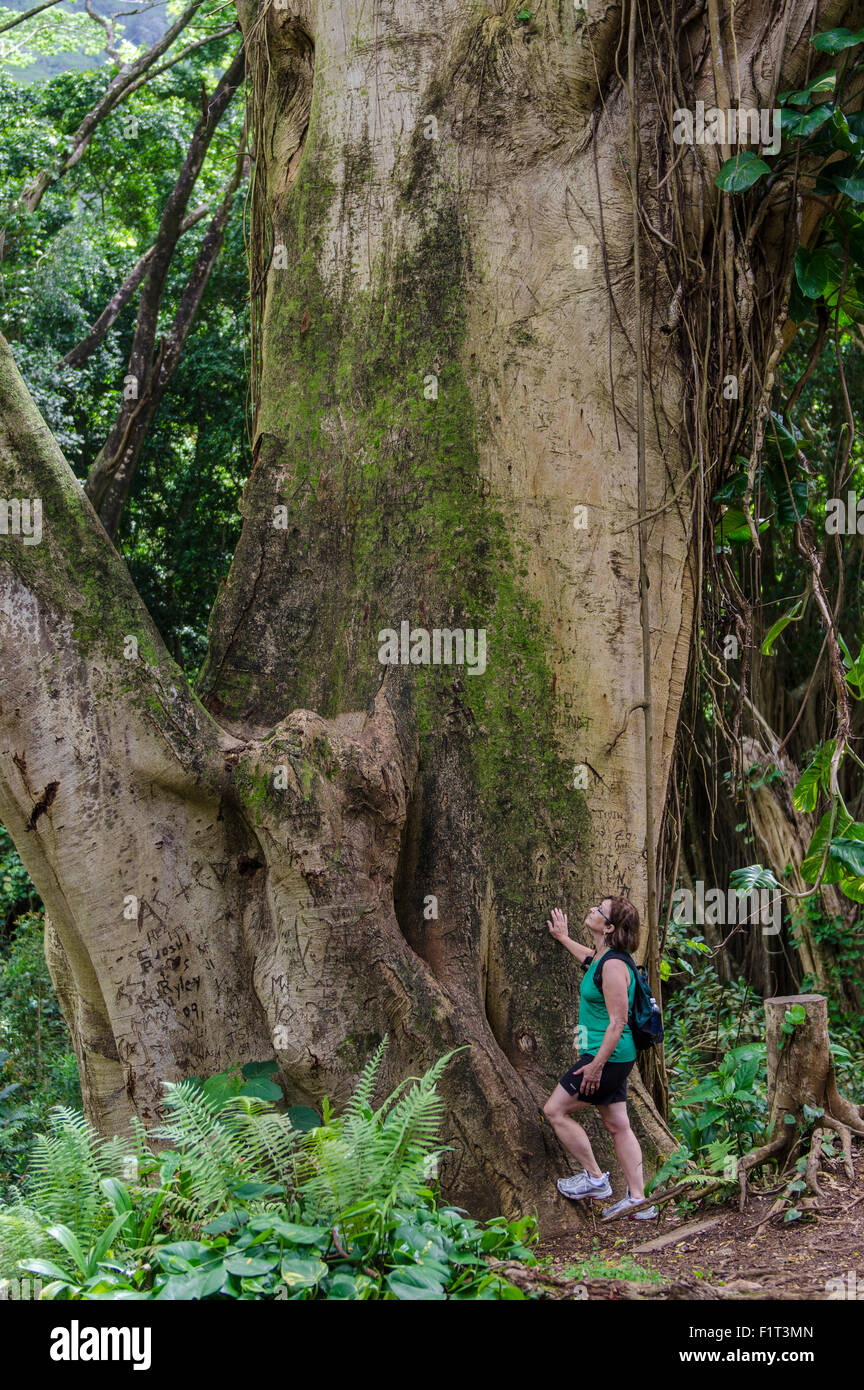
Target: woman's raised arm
[{"x": 558, "y": 929}]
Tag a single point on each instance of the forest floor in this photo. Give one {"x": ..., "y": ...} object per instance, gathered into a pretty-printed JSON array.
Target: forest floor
[{"x": 717, "y": 1251}]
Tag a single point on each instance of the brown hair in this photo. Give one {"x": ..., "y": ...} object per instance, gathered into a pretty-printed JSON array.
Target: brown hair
[{"x": 623, "y": 935}]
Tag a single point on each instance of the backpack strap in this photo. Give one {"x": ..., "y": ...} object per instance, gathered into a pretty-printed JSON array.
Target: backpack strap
[
  {"x": 613, "y": 955},
  {"x": 587, "y": 962}
]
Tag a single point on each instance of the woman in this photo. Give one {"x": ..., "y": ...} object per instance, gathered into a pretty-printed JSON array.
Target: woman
[{"x": 599, "y": 1076}]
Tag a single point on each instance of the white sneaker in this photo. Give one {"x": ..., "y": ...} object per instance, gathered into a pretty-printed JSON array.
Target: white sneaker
[
  {"x": 622, "y": 1208},
  {"x": 583, "y": 1185}
]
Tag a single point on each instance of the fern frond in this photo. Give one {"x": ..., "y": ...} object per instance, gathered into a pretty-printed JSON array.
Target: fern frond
[
  {"x": 380, "y": 1156},
  {"x": 67, "y": 1164},
  {"x": 22, "y": 1237},
  {"x": 364, "y": 1090},
  {"x": 192, "y": 1125}
]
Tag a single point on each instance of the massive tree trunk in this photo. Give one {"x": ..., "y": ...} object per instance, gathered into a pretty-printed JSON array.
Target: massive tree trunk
[{"x": 445, "y": 374}]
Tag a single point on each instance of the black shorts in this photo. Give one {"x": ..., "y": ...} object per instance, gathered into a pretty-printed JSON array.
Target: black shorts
[{"x": 613, "y": 1081}]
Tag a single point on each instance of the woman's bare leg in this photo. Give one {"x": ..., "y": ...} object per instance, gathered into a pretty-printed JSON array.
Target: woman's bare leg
[
  {"x": 559, "y": 1110},
  {"x": 627, "y": 1149}
]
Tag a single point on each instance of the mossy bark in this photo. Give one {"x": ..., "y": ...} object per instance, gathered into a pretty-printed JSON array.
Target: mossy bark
[{"x": 429, "y": 424}]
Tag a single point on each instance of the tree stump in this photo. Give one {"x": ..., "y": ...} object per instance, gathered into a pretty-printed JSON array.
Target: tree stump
[
  {"x": 800, "y": 1073},
  {"x": 798, "y": 1063}
]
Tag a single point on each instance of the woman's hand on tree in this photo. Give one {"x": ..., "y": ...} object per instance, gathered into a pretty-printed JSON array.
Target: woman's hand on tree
[{"x": 558, "y": 925}]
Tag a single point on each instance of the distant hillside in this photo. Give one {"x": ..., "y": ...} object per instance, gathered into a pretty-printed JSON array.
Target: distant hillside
[{"x": 140, "y": 28}]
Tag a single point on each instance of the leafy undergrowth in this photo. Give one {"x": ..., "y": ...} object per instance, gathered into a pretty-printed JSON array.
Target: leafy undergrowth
[
  {"x": 716, "y": 1063},
  {"x": 246, "y": 1202},
  {"x": 598, "y": 1265}
]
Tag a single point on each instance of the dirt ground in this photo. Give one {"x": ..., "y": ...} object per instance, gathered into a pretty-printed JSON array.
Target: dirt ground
[{"x": 738, "y": 1257}]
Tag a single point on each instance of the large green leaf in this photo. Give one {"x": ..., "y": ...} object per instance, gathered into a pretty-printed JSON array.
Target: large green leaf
[
  {"x": 708, "y": 1117},
  {"x": 341, "y": 1286},
  {"x": 733, "y": 527},
  {"x": 844, "y": 136},
  {"x": 804, "y": 95},
  {"x": 746, "y": 1073},
  {"x": 854, "y": 669},
  {"x": 414, "y": 1282},
  {"x": 197, "y": 1284},
  {"x": 835, "y": 40},
  {"x": 743, "y": 881},
  {"x": 790, "y": 616},
  {"x": 290, "y": 1231},
  {"x": 844, "y": 828},
  {"x": 814, "y": 778},
  {"x": 790, "y": 498},
  {"x": 303, "y": 1117},
  {"x": 853, "y": 188},
  {"x": 262, "y": 1089},
  {"x": 254, "y": 1069},
  {"x": 817, "y": 272},
  {"x": 247, "y": 1266},
  {"x": 741, "y": 171},
  {"x": 300, "y": 1273},
  {"x": 798, "y": 125},
  {"x": 850, "y": 853}
]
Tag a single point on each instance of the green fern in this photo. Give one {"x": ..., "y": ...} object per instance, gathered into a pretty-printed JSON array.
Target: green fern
[
  {"x": 22, "y": 1237},
  {"x": 61, "y": 1187},
  {"x": 354, "y": 1168},
  {"x": 380, "y": 1158},
  {"x": 224, "y": 1144}
]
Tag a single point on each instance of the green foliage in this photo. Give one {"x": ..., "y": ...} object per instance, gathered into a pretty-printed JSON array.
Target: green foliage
[
  {"x": 63, "y": 263},
  {"x": 361, "y": 1165},
  {"x": 35, "y": 1043},
  {"x": 596, "y": 1266},
  {"x": 814, "y": 778},
  {"x": 49, "y": 34},
  {"x": 16, "y": 890},
  {"x": 728, "y": 1102},
  {"x": 227, "y": 1150},
  {"x": 246, "y": 1206},
  {"x": 841, "y": 833},
  {"x": 792, "y": 1019},
  {"x": 62, "y": 1186},
  {"x": 792, "y": 615},
  {"x": 747, "y": 880},
  {"x": 741, "y": 171},
  {"x": 716, "y": 1060}
]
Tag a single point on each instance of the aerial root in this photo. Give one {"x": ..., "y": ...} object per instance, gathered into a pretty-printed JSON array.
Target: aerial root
[
  {"x": 811, "y": 1173},
  {"x": 845, "y": 1132},
  {"x": 753, "y": 1159}
]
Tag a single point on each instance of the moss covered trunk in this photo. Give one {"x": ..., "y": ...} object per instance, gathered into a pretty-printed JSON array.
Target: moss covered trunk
[{"x": 436, "y": 447}]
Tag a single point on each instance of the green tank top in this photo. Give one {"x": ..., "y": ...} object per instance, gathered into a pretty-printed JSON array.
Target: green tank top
[{"x": 594, "y": 1017}]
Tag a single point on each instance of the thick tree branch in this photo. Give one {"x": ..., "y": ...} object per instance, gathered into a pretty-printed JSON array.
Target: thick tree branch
[
  {"x": 115, "y": 466},
  {"x": 139, "y": 421},
  {"x": 28, "y": 14},
  {"x": 108, "y": 26},
  {"x": 100, "y": 734},
  {"x": 81, "y": 351}
]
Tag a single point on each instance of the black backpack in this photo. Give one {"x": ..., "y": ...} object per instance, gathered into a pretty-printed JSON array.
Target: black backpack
[{"x": 645, "y": 1021}]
